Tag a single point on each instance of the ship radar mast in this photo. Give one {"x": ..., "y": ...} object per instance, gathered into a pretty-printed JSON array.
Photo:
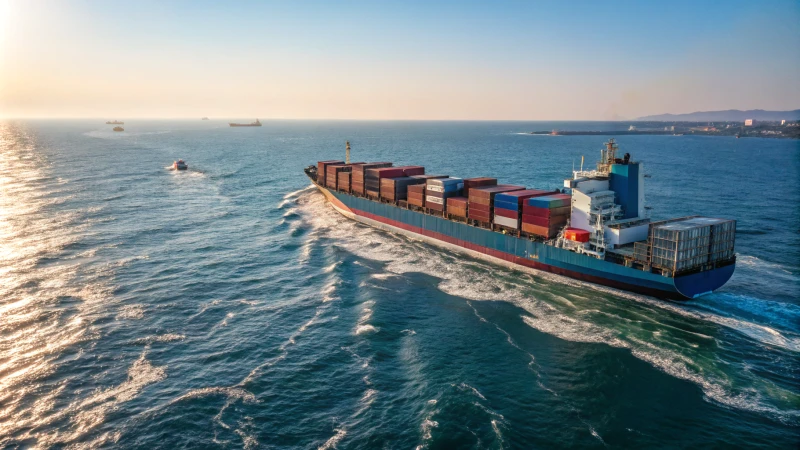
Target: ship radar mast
[
  {"x": 607, "y": 156},
  {"x": 347, "y": 152}
]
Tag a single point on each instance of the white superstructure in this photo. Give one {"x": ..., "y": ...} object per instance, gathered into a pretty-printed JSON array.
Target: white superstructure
[{"x": 609, "y": 203}]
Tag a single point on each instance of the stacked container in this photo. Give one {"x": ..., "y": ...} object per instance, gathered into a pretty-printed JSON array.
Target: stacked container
[
  {"x": 545, "y": 216},
  {"x": 481, "y": 200},
  {"x": 396, "y": 189},
  {"x": 343, "y": 182},
  {"x": 438, "y": 190},
  {"x": 409, "y": 171},
  {"x": 357, "y": 178},
  {"x": 372, "y": 179},
  {"x": 457, "y": 207},
  {"x": 685, "y": 244},
  {"x": 416, "y": 195},
  {"x": 321, "y": 167},
  {"x": 508, "y": 206},
  {"x": 333, "y": 171},
  {"x": 470, "y": 183}
]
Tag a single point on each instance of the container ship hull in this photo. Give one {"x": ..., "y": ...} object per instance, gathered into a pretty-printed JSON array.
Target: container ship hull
[{"x": 519, "y": 253}]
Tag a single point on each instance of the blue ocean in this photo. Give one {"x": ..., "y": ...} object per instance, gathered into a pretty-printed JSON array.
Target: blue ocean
[{"x": 229, "y": 306}]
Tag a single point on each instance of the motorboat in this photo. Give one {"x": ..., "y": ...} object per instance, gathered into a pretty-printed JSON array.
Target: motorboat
[{"x": 179, "y": 165}]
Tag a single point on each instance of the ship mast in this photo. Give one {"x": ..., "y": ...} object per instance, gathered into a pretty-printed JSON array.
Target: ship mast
[
  {"x": 347, "y": 153},
  {"x": 607, "y": 156}
]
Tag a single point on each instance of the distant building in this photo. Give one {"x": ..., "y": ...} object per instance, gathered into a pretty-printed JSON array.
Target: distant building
[
  {"x": 783, "y": 122},
  {"x": 672, "y": 128},
  {"x": 748, "y": 123}
]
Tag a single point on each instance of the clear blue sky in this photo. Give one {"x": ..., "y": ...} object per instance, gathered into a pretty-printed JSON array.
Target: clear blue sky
[{"x": 396, "y": 60}]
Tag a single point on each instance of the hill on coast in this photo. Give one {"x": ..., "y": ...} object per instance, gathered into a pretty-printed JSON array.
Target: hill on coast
[{"x": 731, "y": 115}]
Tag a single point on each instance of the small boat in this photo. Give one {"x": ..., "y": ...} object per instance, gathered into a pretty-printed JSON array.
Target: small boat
[
  {"x": 204, "y": 118},
  {"x": 115, "y": 122},
  {"x": 118, "y": 129},
  {"x": 179, "y": 165}
]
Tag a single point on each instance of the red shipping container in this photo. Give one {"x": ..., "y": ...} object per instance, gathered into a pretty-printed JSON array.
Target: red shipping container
[
  {"x": 470, "y": 183},
  {"x": 412, "y": 170},
  {"x": 458, "y": 211},
  {"x": 386, "y": 172},
  {"x": 459, "y": 202},
  {"x": 479, "y": 216},
  {"x": 545, "y": 232},
  {"x": 544, "y": 221},
  {"x": 321, "y": 166},
  {"x": 477, "y": 207},
  {"x": 416, "y": 189},
  {"x": 546, "y": 212},
  {"x": 576, "y": 234},
  {"x": 511, "y": 214}
]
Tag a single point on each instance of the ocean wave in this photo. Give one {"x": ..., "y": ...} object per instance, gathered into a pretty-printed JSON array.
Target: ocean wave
[{"x": 554, "y": 313}]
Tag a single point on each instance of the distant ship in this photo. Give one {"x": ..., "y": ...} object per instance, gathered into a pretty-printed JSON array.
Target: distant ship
[
  {"x": 114, "y": 122},
  {"x": 204, "y": 118},
  {"x": 253, "y": 124},
  {"x": 118, "y": 129}
]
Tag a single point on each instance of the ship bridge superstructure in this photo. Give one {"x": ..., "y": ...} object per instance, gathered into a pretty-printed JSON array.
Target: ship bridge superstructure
[{"x": 608, "y": 201}]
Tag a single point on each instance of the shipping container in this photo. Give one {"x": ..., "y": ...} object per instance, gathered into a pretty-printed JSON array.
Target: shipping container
[
  {"x": 545, "y": 221},
  {"x": 395, "y": 189},
  {"x": 344, "y": 181},
  {"x": 515, "y": 200},
  {"x": 545, "y": 232},
  {"x": 550, "y": 201},
  {"x": 332, "y": 173},
  {"x": 429, "y": 177},
  {"x": 510, "y": 213},
  {"x": 576, "y": 234},
  {"x": 449, "y": 185},
  {"x": 412, "y": 170},
  {"x": 457, "y": 206},
  {"x": 485, "y": 195},
  {"x": 321, "y": 166},
  {"x": 685, "y": 244},
  {"x": 546, "y": 212},
  {"x": 506, "y": 222},
  {"x": 470, "y": 183}
]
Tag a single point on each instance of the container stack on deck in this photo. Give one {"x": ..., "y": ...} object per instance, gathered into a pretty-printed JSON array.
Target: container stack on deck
[
  {"x": 544, "y": 216},
  {"x": 681, "y": 245},
  {"x": 481, "y": 200},
  {"x": 357, "y": 178},
  {"x": 457, "y": 207},
  {"x": 508, "y": 206},
  {"x": 372, "y": 179},
  {"x": 438, "y": 190},
  {"x": 470, "y": 183},
  {"x": 396, "y": 189},
  {"x": 332, "y": 175},
  {"x": 322, "y": 167},
  {"x": 416, "y": 195}
]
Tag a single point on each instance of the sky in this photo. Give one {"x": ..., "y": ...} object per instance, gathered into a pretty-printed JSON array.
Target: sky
[{"x": 405, "y": 60}]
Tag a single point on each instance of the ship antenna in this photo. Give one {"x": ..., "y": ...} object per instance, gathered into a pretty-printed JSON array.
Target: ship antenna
[{"x": 347, "y": 153}]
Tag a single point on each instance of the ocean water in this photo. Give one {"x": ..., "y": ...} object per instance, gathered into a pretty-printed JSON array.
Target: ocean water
[{"x": 229, "y": 306}]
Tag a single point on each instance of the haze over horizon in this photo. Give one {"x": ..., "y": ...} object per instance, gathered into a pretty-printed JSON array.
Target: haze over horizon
[{"x": 396, "y": 61}]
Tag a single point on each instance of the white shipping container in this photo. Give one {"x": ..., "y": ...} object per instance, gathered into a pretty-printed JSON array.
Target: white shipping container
[
  {"x": 432, "y": 199},
  {"x": 434, "y": 188},
  {"x": 506, "y": 221}
]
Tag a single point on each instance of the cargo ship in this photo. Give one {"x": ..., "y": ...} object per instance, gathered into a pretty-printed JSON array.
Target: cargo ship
[
  {"x": 114, "y": 122},
  {"x": 251, "y": 124},
  {"x": 595, "y": 229}
]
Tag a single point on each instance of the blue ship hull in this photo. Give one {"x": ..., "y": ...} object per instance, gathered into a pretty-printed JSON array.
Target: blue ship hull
[{"x": 521, "y": 253}]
